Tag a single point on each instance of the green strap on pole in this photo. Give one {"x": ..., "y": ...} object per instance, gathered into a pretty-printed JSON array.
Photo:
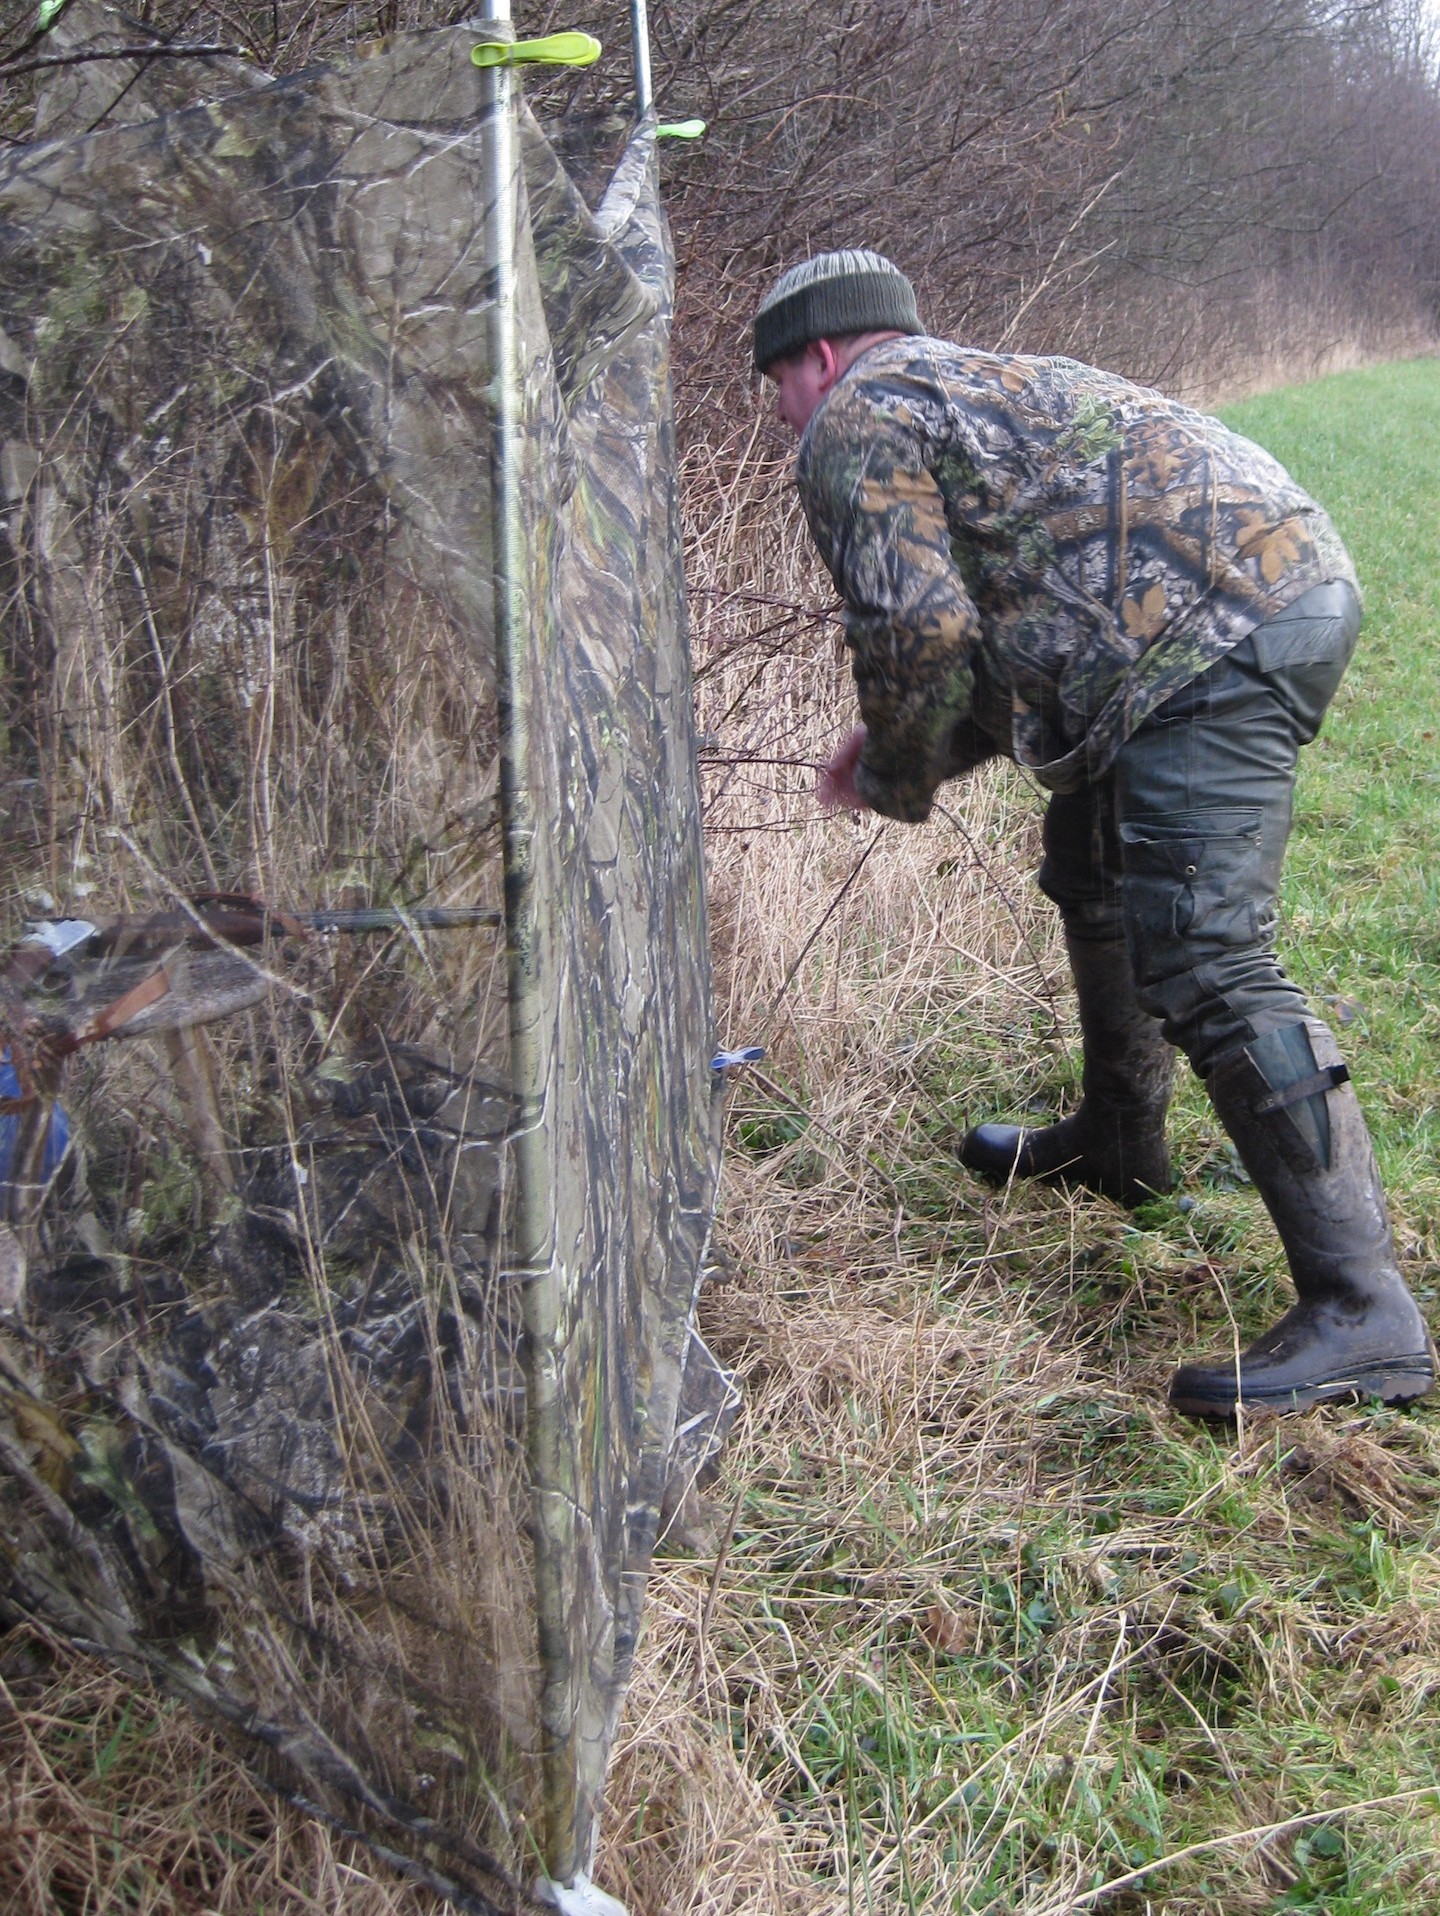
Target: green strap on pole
[
  {"x": 45, "y": 18},
  {"x": 555, "y": 50},
  {"x": 680, "y": 130}
]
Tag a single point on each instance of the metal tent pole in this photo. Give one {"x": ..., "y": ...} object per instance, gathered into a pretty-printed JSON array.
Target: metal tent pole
[
  {"x": 532, "y": 1255},
  {"x": 530, "y": 1236},
  {"x": 640, "y": 35},
  {"x": 530, "y": 1252}
]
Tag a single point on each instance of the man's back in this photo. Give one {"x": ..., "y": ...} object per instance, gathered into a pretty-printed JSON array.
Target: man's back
[{"x": 1111, "y": 543}]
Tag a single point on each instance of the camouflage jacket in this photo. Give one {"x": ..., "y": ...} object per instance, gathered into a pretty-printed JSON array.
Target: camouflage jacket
[{"x": 1034, "y": 555}]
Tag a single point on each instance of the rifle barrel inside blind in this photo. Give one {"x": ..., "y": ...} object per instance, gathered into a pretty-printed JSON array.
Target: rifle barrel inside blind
[{"x": 423, "y": 917}]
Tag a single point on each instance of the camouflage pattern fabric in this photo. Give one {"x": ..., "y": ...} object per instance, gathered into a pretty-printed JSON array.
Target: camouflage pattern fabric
[
  {"x": 1034, "y": 555},
  {"x": 616, "y": 948},
  {"x": 245, "y": 545}
]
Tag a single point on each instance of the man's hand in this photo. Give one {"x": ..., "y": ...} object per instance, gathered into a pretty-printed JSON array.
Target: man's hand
[{"x": 837, "y": 780}]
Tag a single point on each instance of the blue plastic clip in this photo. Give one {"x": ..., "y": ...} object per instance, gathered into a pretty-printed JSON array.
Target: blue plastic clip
[{"x": 727, "y": 1060}]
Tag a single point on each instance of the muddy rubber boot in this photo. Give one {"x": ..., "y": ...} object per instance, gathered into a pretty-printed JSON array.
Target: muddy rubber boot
[
  {"x": 1115, "y": 1142},
  {"x": 1356, "y": 1331}
]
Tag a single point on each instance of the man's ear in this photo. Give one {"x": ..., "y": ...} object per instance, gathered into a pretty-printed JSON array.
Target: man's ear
[{"x": 827, "y": 361}]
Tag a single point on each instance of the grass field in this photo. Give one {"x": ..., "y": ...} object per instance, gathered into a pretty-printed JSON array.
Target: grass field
[
  {"x": 989, "y": 1629},
  {"x": 974, "y": 1624}
]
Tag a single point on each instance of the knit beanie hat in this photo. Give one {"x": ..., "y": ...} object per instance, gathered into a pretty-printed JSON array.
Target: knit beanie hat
[{"x": 832, "y": 294}]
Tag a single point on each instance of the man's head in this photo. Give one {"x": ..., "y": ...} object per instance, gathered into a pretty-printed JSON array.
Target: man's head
[{"x": 819, "y": 316}]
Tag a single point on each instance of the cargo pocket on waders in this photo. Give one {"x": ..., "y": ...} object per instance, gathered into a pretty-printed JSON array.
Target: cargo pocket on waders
[{"x": 1193, "y": 888}]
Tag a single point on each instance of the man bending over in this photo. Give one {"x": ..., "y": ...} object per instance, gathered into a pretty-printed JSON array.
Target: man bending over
[{"x": 1144, "y": 610}]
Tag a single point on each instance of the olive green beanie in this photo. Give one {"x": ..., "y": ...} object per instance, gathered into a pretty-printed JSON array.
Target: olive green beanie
[{"x": 852, "y": 291}]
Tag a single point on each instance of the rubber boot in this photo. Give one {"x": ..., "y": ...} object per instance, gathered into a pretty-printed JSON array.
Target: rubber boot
[
  {"x": 1356, "y": 1331},
  {"x": 1115, "y": 1142}
]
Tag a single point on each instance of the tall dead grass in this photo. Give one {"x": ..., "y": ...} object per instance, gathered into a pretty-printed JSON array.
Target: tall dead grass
[
  {"x": 867, "y": 1351},
  {"x": 116, "y": 1799}
]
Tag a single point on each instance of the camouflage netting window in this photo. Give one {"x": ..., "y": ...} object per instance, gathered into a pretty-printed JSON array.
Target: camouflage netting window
[{"x": 266, "y": 1347}]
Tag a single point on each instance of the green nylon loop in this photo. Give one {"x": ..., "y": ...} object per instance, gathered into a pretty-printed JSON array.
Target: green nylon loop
[
  {"x": 680, "y": 130},
  {"x": 555, "y": 50},
  {"x": 48, "y": 10}
]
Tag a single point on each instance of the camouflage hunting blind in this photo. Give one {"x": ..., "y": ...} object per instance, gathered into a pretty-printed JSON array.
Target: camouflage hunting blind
[{"x": 347, "y": 1359}]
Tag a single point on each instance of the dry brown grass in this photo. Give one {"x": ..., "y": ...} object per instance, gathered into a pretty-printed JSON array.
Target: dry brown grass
[
  {"x": 867, "y": 1353},
  {"x": 115, "y": 1799}
]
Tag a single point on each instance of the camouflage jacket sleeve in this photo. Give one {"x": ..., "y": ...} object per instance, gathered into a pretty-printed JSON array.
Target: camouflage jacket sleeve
[{"x": 878, "y": 519}]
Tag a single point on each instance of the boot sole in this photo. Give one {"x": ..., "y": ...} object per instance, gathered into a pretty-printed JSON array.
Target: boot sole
[{"x": 1398, "y": 1381}]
